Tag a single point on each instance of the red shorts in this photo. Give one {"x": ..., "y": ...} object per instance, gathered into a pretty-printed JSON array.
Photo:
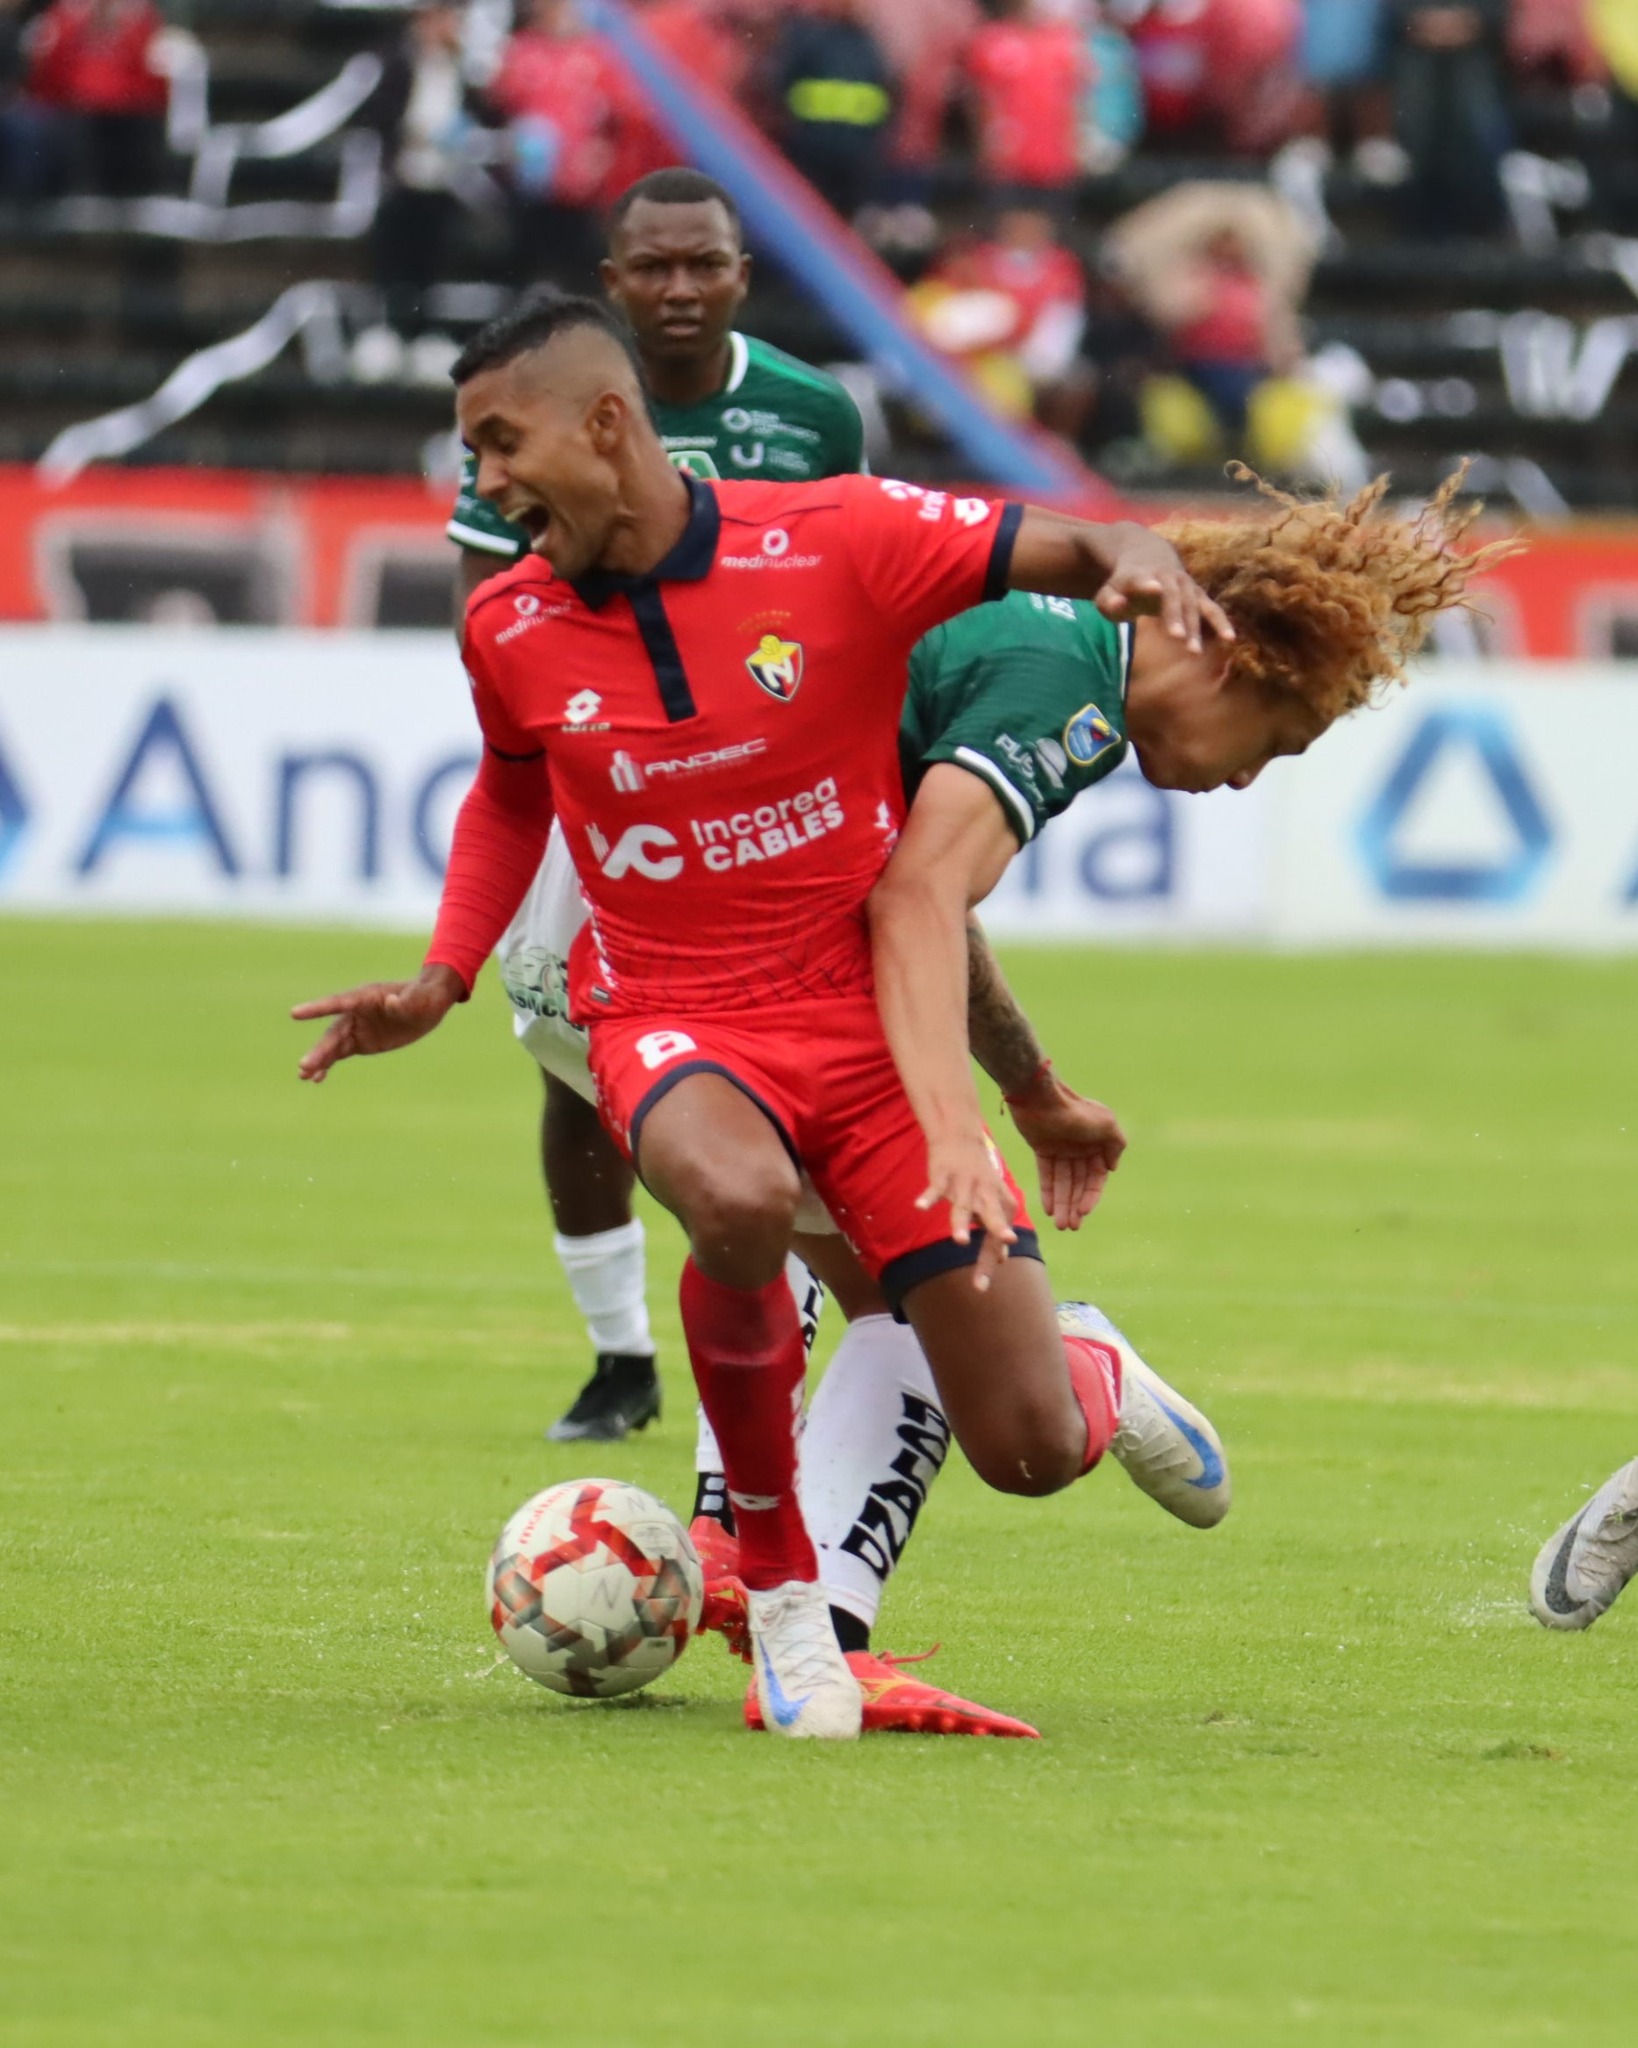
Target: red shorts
[{"x": 822, "y": 1074}]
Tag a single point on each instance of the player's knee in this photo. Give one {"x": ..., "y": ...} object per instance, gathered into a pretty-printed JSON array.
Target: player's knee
[
  {"x": 742, "y": 1218},
  {"x": 1032, "y": 1452}
]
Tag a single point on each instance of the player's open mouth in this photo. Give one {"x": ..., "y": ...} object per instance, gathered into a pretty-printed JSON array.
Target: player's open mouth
[{"x": 534, "y": 519}]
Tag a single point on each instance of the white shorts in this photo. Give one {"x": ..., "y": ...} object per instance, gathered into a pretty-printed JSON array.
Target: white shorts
[{"x": 534, "y": 968}]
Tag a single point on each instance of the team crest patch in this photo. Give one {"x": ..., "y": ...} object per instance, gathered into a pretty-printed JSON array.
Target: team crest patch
[
  {"x": 777, "y": 666},
  {"x": 1089, "y": 734},
  {"x": 694, "y": 461}
]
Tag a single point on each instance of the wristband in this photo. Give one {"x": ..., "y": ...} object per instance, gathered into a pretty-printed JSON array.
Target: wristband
[{"x": 1020, "y": 1094}]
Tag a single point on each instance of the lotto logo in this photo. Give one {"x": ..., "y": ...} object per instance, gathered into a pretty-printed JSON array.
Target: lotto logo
[
  {"x": 583, "y": 705},
  {"x": 634, "y": 851},
  {"x": 659, "y": 1046}
]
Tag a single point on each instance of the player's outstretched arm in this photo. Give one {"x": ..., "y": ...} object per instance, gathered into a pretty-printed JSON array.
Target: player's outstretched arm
[
  {"x": 1077, "y": 1142},
  {"x": 1127, "y": 570},
  {"x": 953, "y": 851},
  {"x": 500, "y": 836},
  {"x": 380, "y": 1017}
]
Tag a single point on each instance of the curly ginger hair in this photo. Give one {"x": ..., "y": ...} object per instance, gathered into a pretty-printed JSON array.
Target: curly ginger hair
[{"x": 1331, "y": 598}]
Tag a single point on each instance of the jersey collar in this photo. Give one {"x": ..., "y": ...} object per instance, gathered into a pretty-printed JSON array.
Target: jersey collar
[
  {"x": 688, "y": 562},
  {"x": 739, "y": 357}
]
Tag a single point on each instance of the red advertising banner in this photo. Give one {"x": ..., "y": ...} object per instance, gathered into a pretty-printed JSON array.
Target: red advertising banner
[{"x": 179, "y": 546}]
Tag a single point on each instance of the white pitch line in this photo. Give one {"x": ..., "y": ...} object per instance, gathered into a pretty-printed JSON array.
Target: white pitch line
[
  {"x": 270, "y": 1276},
  {"x": 175, "y": 1333},
  {"x": 1536, "y": 1309}
]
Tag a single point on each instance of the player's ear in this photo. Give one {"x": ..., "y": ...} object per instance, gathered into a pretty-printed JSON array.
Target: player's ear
[
  {"x": 609, "y": 272},
  {"x": 607, "y": 419}
]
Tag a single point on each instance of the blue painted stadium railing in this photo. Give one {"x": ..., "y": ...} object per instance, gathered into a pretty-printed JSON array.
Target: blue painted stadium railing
[{"x": 785, "y": 216}]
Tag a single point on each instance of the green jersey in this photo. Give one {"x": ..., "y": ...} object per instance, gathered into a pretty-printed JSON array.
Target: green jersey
[
  {"x": 774, "y": 419},
  {"x": 1029, "y": 694}
]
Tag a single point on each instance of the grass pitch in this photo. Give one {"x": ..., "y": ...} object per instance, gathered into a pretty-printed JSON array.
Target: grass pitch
[{"x": 275, "y": 1364}]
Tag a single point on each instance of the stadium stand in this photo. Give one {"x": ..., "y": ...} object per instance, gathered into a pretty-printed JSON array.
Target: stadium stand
[{"x": 261, "y": 231}]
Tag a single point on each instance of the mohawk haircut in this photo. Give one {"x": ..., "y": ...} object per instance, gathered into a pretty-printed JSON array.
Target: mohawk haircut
[
  {"x": 1330, "y": 597},
  {"x": 542, "y": 313},
  {"x": 676, "y": 186}
]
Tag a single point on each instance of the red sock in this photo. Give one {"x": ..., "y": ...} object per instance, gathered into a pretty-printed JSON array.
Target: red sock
[
  {"x": 1094, "y": 1378},
  {"x": 749, "y": 1365}
]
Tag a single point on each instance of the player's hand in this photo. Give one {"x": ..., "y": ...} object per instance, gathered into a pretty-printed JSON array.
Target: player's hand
[
  {"x": 1146, "y": 577},
  {"x": 965, "y": 1171},
  {"x": 1077, "y": 1145},
  {"x": 380, "y": 1017}
]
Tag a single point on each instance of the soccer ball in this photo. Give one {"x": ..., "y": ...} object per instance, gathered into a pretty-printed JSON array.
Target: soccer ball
[{"x": 594, "y": 1588}]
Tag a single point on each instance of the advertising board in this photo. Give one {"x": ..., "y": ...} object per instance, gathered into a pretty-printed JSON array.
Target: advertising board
[{"x": 315, "y": 776}]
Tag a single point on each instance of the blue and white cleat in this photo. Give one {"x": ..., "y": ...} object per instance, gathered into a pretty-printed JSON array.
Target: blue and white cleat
[
  {"x": 1168, "y": 1447},
  {"x": 802, "y": 1679},
  {"x": 1582, "y": 1568}
]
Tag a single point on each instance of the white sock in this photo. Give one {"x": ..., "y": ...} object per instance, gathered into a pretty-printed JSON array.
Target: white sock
[
  {"x": 809, "y": 1297},
  {"x": 875, "y": 1440},
  {"x": 606, "y": 1277}
]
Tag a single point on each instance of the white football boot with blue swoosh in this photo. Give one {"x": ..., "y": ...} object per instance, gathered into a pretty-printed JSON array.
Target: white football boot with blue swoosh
[
  {"x": 802, "y": 1678},
  {"x": 1166, "y": 1444},
  {"x": 1584, "y": 1566}
]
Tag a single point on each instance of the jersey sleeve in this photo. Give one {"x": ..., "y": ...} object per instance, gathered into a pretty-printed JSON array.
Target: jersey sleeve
[
  {"x": 1037, "y": 722},
  {"x": 922, "y": 556},
  {"x": 502, "y": 733},
  {"x": 474, "y": 523},
  {"x": 500, "y": 831}
]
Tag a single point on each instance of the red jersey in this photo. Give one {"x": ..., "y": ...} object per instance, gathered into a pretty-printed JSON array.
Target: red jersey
[
  {"x": 1030, "y": 78},
  {"x": 1036, "y": 280},
  {"x": 97, "y": 67},
  {"x": 578, "y": 87},
  {"x": 719, "y": 739}
]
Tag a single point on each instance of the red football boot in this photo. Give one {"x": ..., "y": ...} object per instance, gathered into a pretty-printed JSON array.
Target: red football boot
[
  {"x": 724, "y": 1612},
  {"x": 893, "y": 1701}
]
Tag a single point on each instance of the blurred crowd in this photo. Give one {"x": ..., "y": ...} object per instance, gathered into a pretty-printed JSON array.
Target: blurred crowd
[
  {"x": 517, "y": 106},
  {"x": 867, "y": 97}
]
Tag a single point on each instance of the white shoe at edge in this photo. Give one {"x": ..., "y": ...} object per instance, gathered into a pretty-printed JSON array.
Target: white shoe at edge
[
  {"x": 1167, "y": 1446},
  {"x": 802, "y": 1678}
]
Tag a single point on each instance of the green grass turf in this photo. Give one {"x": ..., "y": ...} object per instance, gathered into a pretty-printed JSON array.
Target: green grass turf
[{"x": 275, "y": 1362}]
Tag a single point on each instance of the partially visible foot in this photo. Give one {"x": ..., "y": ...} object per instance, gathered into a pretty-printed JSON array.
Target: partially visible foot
[
  {"x": 803, "y": 1683},
  {"x": 892, "y": 1701},
  {"x": 1584, "y": 1566},
  {"x": 622, "y": 1395},
  {"x": 1166, "y": 1445},
  {"x": 724, "y": 1612}
]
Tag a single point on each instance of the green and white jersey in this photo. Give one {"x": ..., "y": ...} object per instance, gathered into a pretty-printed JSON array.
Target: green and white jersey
[
  {"x": 1029, "y": 694},
  {"x": 774, "y": 419}
]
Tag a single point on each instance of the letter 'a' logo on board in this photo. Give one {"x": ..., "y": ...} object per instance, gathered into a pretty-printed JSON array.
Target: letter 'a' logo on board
[
  {"x": 14, "y": 813},
  {"x": 776, "y": 666},
  {"x": 1478, "y": 739}
]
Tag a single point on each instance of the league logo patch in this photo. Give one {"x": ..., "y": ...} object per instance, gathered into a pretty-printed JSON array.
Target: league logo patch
[
  {"x": 776, "y": 666},
  {"x": 1089, "y": 734}
]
